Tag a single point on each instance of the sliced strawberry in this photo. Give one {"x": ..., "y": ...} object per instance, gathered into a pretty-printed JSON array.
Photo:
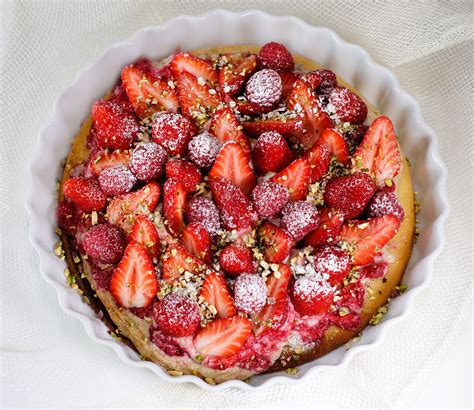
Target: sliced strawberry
[
  {"x": 336, "y": 145},
  {"x": 284, "y": 126},
  {"x": 233, "y": 76},
  {"x": 104, "y": 159},
  {"x": 329, "y": 226},
  {"x": 369, "y": 237},
  {"x": 184, "y": 172},
  {"x": 319, "y": 159},
  {"x": 184, "y": 62},
  {"x": 288, "y": 79},
  {"x": 236, "y": 210},
  {"x": 176, "y": 260},
  {"x": 198, "y": 241},
  {"x": 276, "y": 242},
  {"x": 123, "y": 209},
  {"x": 274, "y": 312},
  {"x": 245, "y": 107},
  {"x": 378, "y": 152},
  {"x": 85, "y": 193},
  {"x": 233, "y": 163},
  {"x": 144, "y": 231},
  {"x": 148, "y": 94},
  {"x": 223, "y": 337},
  {"x": 198, "y": 102},
  {"x": 216, "y": 292},
  {"x": 295, "y": 177},
  {"x": 225, "y": 127},
  {"x": 174, "y": 205},
  {"x": 236, "y": 259},
  {"x": 134, "y": 282}
]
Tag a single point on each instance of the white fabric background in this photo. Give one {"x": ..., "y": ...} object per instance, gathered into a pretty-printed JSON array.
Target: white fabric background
[{"x": 47, "y": 359}]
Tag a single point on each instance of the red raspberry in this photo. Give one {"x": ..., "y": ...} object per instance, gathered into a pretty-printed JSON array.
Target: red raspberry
[
  {"x": 67, "y": 217},
  {"x": 203, "y": 210},
  {"x": 352, "y": 298},
  {"x": 269, "y": 198},
  {"x": 328, "y": 81},
  {"x": 332, "y": 261},
  {"x": 355, "y": 134},
  {"x": 349, "y": 194},
  {"x": 276, "y": 56},
  {"x": 385, "y": 203},
  {"x": 203, "y": 149},
  {"x": 173, "y": 132},
  {"x": 117, "y": 180},
  {"x": 349, "y": 107},
  {"x": 264, "y": 88},
  {"x": 184, "y": 172},
  {"x": 235, "y": 259},
  {"x": 271, "y": 153},
  {"x": 177, "y": 315},
  {"x": 250, "y": 293},
  {"x": 101, "y": 276},
  {"x": 148, "y": 161},
  {"x": 311, "y": 296},
  {"x": 104, "y": 243},
  {"x": 299, "y": 219},
  {"x": 85, "y": 193}
]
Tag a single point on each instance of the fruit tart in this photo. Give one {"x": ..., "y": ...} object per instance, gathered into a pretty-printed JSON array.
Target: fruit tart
[{"x": 235, "y": 211}]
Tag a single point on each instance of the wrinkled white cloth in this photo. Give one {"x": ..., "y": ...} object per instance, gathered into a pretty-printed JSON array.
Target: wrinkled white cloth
[{"x": 48, "y": 360}]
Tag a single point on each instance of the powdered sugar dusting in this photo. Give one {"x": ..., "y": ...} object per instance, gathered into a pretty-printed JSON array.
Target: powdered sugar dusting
[
  {"x": 203, "y": 210},
  {"x": 385, "y": 203},
  {"x": 250, "y": 293},
  {"x": 117, "y": 180},
  {"x": 299, "y": 218},
  {"x": 203, "y": 149},
  {"x": 148, "y": 161},
  {"x": 269, "y": 198},
  {"x": 308, "y": 288},
  {"x": 264, "y": 88},
  {"x": 332, "y": 261},
  {"x": 172, "y": 131},
  {"x": 104, "y": 243}
]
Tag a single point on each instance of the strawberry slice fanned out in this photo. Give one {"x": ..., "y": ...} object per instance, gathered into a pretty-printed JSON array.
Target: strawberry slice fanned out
[
  {"x": 327, "y": 232},
  {"x": 284, "y": 126},
  {"x": 233, "y": 76},
  {"x": 103, "y": 160},
  {"x": 198, "y": 241},
  {"x": 274, "y": 312},
  {"x": 233, "y": 163},
  {"x": 295, "y": 177},
  {"x": 223, "y": 337},
  {"x": 225, "y": 127},
  {"x": 176, "y": 260},
  {"x": 174, "y": 205},
  {"x": 216, "y": 292},
  {"x": 123, "y": 209},
  {"x": 336, "y": 144},
  {"x": 148, "y": 94},
  {"x": 378, "y": 152},
  {"x": 288, "y": 80},
  {"x": 368, "y": 237},
  {"x": 133, "y": 283},
  {"x": 276, "y": 242},
  {"x": 184, "y": 62},
  {"x": 144, "y": 231}
]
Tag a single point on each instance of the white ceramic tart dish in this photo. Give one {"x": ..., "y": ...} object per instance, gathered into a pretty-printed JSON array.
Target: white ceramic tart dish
[{"x": 350, "y": 63}]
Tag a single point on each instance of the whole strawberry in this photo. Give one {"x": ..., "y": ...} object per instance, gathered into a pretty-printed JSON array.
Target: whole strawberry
[
  {"x": 311, "y": 296},
  {"x": 271, "y": 153}
]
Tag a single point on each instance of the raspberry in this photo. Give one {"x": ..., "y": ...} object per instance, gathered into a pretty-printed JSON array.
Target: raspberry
[
  {"x": 271, "y": 153},
  {"x": 385, "y": 203},
  {"x": 116, "y": 180},
  {"x": 148, "y": 161},
  {"x": 328, "y": 81},
  {"x": 236, "y": 259},
  {"x": 299, "y": 219},
  {"x": 276, "y": 56},
  {"x": 311, "y": 296},
  {"x": 333, "y": 262},
  {"x": 264, "y": 88},
  {"x": 104, "y": 243},
  {"x": 349, "y": 107},
  {"x": 269, "y": 198},
  {"x": 203, "y": 210},
  {"x": 68, "y": 217},
  {"x": 173, "y": 132},
  {"x": 203, "y": 149},
  {"x": 250, "y": 293},
  {"x": 355, "y": 135}
]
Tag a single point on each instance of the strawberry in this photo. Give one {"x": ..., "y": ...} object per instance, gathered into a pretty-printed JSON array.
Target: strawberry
[
  {"x": 203, "y": 210},
  {"x": 233, "y": 163},
  {"x": 378, "y": 152},
  {"x": 85, "y": 193},
  {"x": 288, "y": 79},
  {"x": 368, "y": 237},
  {"x": 329, "y": 226},
  {"x": 332, "y": 261},
  {"x": 184, "y": 172},
  {"x": 148, "y": 161},
  {"x": 349, "y": 194},
  {"x": 174, "y": 204},
  {"x": 184, "y": 62},
  {"x": 198, "y": 241},
  {"x": 276, "y": 242},
  {"x": 148, "y": 94},
  {"x": 223, "y": 337},
  {"x": 271, "y": 153},
  {"x": 385, "y": 203},
  {"x": 311, "y": 296},
  {"x": 349, "y": 106},
  {"x": 319, "y": 159},
  {"x": 295, "y": 177},
  {"x": 144, "y": 231},
  {"x": 236, "y": 259},
  {"x": 104, "y": 159},
  {"x": 198, "y": 101},
  {"x": 134, "y": 282},
  {"x": 173, "y": 132},
  {"x": 216, "y": 292},
  {"x": 328, "y": 81},
  {"x": 282, "y": 125},
  {"x": 250, "y": 293},
  {"x": 336, "y": 145},
  {"x": 116, "y": 180},
  {"x": 313, "y": 79},
  {"x": 123, "y": 209},
  {"x": 104, "y": 243},
  {"x": 275, "y": 56},
  {"x": 233, "y": 76},
  {"x": 273, "y": 314},
  {"x": 176, "y": 260},
  {"x": 245, "y": 107},
  {"x": 269, "y": 198},
  {"x": 299, "y": 218},
  {"x": 226, "y": 127},
  {"x": 236, "y": 210},
  {"x": 115, "y": 127},
  {"x": 177, "y": 315}
]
